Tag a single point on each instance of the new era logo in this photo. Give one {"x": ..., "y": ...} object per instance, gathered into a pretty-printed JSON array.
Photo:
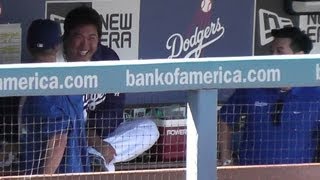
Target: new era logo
[{"x": 269, "y": 20}]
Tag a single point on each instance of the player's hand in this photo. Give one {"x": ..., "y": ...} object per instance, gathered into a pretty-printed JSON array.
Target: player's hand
[
  {"x": 108, "y": 152},
  {"x": 226, "y": 162}
]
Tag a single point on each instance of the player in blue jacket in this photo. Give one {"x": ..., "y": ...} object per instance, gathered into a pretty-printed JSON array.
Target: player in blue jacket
[
  {"x": 275, "y": 125},
  {"x": 52, "y": 135},
  {"x": 52, "y": 128}
]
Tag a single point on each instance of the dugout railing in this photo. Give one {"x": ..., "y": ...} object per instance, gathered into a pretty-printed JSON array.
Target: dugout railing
[{"x": 200, "y": 77}]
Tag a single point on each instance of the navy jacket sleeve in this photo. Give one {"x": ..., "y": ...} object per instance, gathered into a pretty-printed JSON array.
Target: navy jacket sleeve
[
  {"x": 105, "y": 53},
  {"x": 107, "y": 115}
]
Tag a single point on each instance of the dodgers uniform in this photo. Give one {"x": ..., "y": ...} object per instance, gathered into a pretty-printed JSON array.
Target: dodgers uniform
[
  {"x": 270, "y": 137},
  {"x": 45, "y": 116},
  {"x": 104, "y": 113}
]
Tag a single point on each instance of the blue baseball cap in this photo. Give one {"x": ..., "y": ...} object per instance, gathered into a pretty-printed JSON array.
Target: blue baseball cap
[{"x": 43, "y": 34}]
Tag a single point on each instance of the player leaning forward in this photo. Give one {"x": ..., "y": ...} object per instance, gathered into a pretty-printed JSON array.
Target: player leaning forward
[
  {"x": 51, "y": 127},
  {"x": 82, "y": 33}
]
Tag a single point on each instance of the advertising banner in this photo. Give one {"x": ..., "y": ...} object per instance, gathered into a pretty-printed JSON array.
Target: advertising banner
[
  {"x": 155, "y": 76},
  {"x": 271, "y": 14},
  {"x": 196, "y": 28},
  {"x": 310, "y": 24}
]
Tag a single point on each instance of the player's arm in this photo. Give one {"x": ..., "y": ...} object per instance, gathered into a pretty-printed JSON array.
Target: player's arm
[
  {"x": 229, "y": 115},
  {"x": 227, "y": 119},
  {"x": 103, "y": 147},
  {"x": 55, "y": 150},
  {"x": 225, "y": 135},
  {"x": 112, "y": 110}
]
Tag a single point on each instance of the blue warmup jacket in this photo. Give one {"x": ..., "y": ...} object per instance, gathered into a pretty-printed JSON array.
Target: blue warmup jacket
[
  {"x": 44, "y": 116},
  {"x": 291, "y": 139}
]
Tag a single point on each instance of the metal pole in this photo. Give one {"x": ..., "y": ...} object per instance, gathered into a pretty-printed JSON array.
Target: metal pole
[{"x": 202, "y": 135}]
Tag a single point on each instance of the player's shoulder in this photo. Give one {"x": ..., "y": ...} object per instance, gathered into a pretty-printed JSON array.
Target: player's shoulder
[
  {"x": 253, "y": 94},
  {"x": 307, "y": 91},
  {"x": 256, "y": 91},
  {"x": 104, "y": 53}
]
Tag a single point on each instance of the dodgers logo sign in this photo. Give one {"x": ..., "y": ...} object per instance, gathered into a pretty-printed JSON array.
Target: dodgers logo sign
[{"x": 180, "y": 45}]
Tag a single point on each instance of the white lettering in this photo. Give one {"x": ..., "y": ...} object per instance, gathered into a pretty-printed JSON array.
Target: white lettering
[
  {"x": 23, "y": 83},
  {"x": 158, "y": 77},
  {"x": 130, "y": 78},
  {"x": 36, "y": 82},
  {"x": 54, "y": 82},
  {"x": 219, "y": 76},
  {"x": 43, "y": 84},
  {"x": 174, "y": 132},
  {"x": 177, "y": 44}
]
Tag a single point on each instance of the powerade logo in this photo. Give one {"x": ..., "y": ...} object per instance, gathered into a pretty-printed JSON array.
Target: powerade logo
[
  {"x": 174, "y": 132},
  {"x": 268, "y": 21}
]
